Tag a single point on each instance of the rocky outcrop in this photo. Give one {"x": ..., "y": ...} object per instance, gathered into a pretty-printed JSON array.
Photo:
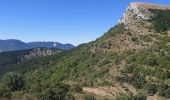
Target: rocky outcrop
[
  {"x": 139, "y": 11},
  {"x": 135, "y": 11},
  {"x": 41, "y": 52}
]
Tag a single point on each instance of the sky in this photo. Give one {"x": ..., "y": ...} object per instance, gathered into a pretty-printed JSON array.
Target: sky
[{"x": 64, "y": 21}]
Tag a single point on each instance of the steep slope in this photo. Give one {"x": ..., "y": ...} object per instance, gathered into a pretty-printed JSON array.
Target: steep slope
[{"x": 129, "y": 62}]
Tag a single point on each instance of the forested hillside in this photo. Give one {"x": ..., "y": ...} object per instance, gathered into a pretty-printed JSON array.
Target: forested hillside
[{"x": 17, "y": 60}]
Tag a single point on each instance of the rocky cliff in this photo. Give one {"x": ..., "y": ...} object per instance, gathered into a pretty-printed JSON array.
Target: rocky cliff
[
  {"x": 140, "y": 11},
  {"x": 41, "y": 52}
]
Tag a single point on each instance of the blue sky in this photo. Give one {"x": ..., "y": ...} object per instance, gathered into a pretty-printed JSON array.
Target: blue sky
[{"x": 65, "y": 21}]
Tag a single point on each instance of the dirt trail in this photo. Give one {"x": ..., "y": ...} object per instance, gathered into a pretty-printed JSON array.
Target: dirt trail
[
  {"x": 110, "y": 91},
  {"x": 98, "y": 91}
]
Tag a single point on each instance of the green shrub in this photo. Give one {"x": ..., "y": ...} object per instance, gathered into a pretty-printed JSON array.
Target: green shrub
[
  {"x": 145, "y": 38},
  {"x": 122, "y": 79},
  {"x": 151, "y": 88},
  {"x": 130, "y": 96},
  {"x": 151, "y": 60},
  {"x": 55, "y": 92},
  {"x": 134, "y": 39},
  {"x": 163, "y": 75},
  {"x": 167, "y": 93},
  {"x": 89, "y": 97},
  {"x": 164, "y": 90},
  {"x": 137, "y": 80},
  {"x": 161, "y": 20},
  {"x": 76, "y": 88},
  {"x": 3, "y": 90},
  {"x": 15, "y": 81}
]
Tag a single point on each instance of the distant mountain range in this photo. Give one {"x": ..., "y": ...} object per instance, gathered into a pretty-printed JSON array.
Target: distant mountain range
[{"x": 13, "y": 45}]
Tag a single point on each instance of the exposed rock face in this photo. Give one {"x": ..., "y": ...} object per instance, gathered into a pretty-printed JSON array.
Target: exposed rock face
[
  {"x": 135, "y": 10},
  {"x": 139, "y": 11},
  {"x": 39, "y": 52}
]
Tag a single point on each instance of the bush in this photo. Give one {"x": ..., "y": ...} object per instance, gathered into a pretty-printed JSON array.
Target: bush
[
  {"x": 122, "y": 79},
  {"x": 89, "y": 97},
  {"x": 3, "y": 90},
  {"x": 151, "y": 60},
  {"x": 161, "y": 20},
  {"x": 164, "y": 90},
  {"x": 167, "y": 93},
  {"x": 55, "y": 92},
  {"x": 138, "y": 80},
  {"x": 151, "y": 88},
  {"x": 145, "y": 38},
  {"x": 163, "y": 75},
  {"x": 15, "y": 81},
  {"x": 130, "y": 96},
  {"x": 76, "y": 88},
  {"x": 134, "y": 39}
]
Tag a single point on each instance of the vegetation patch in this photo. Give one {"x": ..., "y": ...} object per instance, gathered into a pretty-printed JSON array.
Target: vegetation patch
[{"x": 161, "y": 20}]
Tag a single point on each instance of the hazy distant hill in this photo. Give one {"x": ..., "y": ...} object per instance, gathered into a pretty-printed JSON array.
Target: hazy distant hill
[
  {"x": 51, "y": 45},
  {"x": 13, "y": 45}
]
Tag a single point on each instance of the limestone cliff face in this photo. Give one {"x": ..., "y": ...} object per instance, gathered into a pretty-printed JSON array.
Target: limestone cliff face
[
  {"x": 135, "y": 11},
  {"x": 139, "y": 11}
]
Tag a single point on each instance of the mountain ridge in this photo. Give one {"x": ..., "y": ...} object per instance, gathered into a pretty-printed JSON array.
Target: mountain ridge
[
  {"x": 36, "y": 44},
  {"x": 14, "y": 44}
]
